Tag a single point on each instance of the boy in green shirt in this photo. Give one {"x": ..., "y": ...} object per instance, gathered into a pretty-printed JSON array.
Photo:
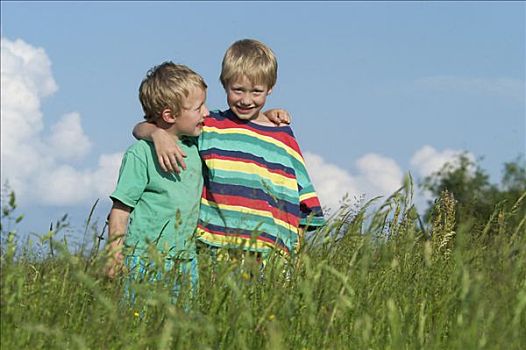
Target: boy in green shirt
[{"x": 152, "y": 208}]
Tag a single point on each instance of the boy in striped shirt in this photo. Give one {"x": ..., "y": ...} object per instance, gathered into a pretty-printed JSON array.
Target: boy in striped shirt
[{"x": 257, "y": 194}]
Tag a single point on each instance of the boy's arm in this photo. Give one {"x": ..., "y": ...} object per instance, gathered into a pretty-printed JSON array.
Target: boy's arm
[
  {"x": 117, "y": 225},
  {"x": 170, "y": 156},
  {"x": 278, "y": 116},
  {"x": 311, "y": 213}
]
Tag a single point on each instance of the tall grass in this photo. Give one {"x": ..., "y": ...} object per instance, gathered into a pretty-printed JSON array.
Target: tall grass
[{"x": 372, "y": 279}]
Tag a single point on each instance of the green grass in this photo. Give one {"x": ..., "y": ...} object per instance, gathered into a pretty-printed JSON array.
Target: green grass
[{"x": 380, "y": 283}]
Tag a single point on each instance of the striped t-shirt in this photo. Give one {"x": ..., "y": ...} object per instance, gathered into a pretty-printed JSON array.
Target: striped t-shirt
[{"x": 257, "y": 191}]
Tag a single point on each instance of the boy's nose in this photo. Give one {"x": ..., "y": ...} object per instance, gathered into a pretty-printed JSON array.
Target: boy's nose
[
  {"x": 206, "y": 112},
  {"x": 245, "y": 100}
]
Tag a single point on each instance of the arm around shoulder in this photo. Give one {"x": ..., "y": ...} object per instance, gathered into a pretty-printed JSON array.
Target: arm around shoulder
[
  {"x": 144, "y": 131},
  {"x": 169, "y": 155},
  {"x": 278, "y": 116}
]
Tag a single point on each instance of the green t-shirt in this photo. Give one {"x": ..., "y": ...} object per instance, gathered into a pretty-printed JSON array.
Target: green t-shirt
[{"x": 165, "y": 205}]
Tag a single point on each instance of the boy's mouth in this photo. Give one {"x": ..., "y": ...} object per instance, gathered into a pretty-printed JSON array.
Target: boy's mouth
[{"x": 244, "y": 110}]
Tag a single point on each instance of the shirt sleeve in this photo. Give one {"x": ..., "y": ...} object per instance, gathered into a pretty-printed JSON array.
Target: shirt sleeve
[
  {"x": 311, "y": 213},
  {"x": 133, "y": 177}
]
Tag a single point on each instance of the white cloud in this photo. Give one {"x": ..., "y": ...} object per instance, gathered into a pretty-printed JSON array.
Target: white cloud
[
  {"x": 35, "y": 166},
  {"x": 105, "y": 177},
  {"x": 23, "y": 86},
  {"x": 29, "y": 65},
  {"x": 62, "y": 185},
  {"x": 377, "y": 176},
  {"x": 65, "y": 185},
  {"x": 68, "y": 140},
  {"x": 331, "y": 182},
  {"x": 428, "y": 160}
]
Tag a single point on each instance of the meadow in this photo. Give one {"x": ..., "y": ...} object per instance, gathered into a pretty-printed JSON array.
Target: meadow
[{"x": 371, "y": 279}]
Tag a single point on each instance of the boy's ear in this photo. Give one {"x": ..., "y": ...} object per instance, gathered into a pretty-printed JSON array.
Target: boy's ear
[
  {"x": 167, "y": 115},
  {"x": 269, "y": 92}
]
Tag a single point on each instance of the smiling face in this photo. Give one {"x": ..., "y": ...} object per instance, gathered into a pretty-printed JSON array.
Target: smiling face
[
  {"x": 190, "y": 120},
  {"x": 247, "y": 99}
]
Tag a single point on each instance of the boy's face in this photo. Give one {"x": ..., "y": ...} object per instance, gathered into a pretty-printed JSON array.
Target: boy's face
[
  {"x": 246, "y": 99},
  {"x": 190, "y": 121}
]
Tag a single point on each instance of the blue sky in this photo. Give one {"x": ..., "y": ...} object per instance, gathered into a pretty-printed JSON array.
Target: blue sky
[{"x": 375, "y": 89}]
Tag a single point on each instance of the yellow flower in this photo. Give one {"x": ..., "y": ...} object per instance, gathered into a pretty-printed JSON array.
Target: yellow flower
[
  {"x": 271, "y": 317},
  {"x": 246, "y": 276},
  {"x": 136, "y": 314}
]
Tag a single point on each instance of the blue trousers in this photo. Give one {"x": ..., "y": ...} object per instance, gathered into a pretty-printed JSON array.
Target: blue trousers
[{"x": 143, "y": 270}]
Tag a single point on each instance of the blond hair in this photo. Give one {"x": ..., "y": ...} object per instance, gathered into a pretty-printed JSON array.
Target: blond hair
[
  {"x": 166, "y": 86},
  {"x": 250, "y": 58}
]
